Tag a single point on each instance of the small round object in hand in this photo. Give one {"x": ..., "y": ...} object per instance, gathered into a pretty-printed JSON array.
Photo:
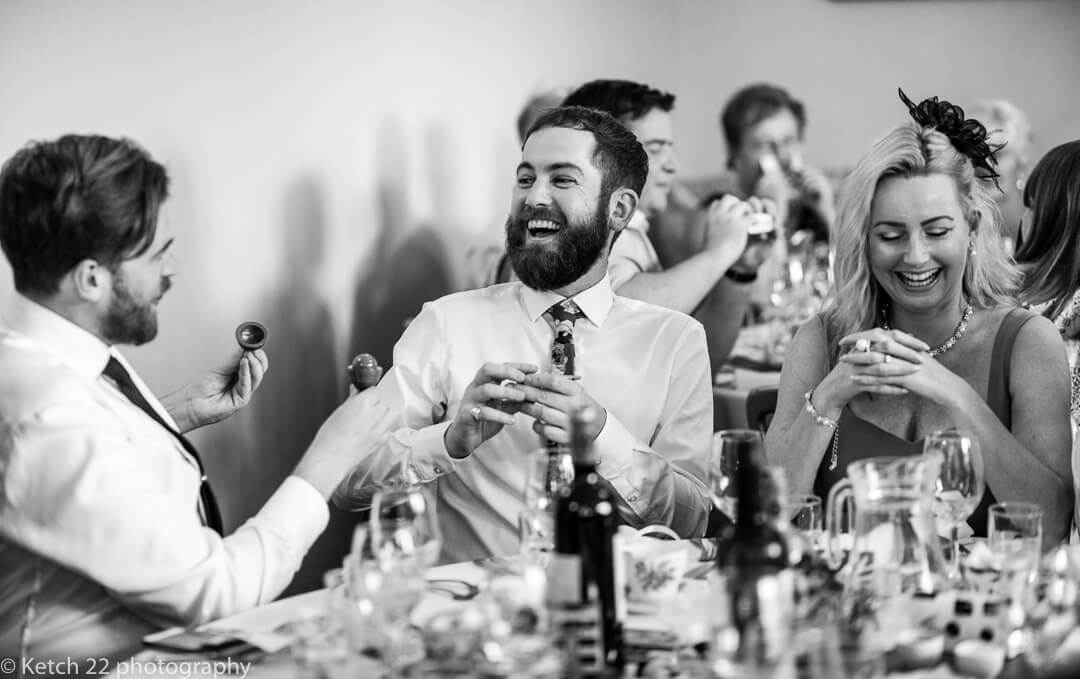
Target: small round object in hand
[
  {"x": 251, "y": 335},
  {"x": 475, "y": 413},
  {"x": 862, "y": 344},
  {"x": 364, "y": 371}
]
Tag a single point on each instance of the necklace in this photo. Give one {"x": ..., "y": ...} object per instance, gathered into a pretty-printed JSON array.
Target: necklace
[{"x": 961, "y": 328}]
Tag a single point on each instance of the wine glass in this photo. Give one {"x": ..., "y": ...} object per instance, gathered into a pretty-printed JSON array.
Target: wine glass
[
  {"x": 960, "y": 486},
  {"x": 404, "y": 528},
  {"x": 547, "y": 473}
]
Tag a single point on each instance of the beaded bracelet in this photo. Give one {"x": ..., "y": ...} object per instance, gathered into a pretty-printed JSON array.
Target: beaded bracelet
[{"x": 823, "y": 420}]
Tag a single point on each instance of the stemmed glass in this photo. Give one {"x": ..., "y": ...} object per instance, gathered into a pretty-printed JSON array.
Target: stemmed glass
[
  {"x": 547, "y": 473},
  {"x": 404, "y": 528},
  {"x": 960, "y": 486}
]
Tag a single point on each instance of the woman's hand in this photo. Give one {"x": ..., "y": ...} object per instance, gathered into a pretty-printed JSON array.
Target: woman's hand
[
  {"x": 890, "y": 361},
  {"x": 875, "y": 358}
]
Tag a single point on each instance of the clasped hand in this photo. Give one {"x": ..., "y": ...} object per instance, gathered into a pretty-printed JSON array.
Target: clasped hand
[
  {"x": 888, "y": 362},
  {"x": 502, "y": 390}
]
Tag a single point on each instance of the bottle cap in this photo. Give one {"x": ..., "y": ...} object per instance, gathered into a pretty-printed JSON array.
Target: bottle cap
[
  {"x": 251, "y": 335},
  {"x": 364, "y": 371}
]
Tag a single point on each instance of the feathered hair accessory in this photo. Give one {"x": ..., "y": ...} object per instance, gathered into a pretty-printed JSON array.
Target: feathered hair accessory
[{"x": 967, "y": 135}]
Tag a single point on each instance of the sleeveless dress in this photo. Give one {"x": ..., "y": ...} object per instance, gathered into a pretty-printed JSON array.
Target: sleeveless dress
[{"x": 860, "y": 439}]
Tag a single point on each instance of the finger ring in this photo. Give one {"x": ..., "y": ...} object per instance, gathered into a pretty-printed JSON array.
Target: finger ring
[
  {"x": 475, "y": 413},
  {"x": 886, "y": 359},
  {"x": 862, "y": 344}
]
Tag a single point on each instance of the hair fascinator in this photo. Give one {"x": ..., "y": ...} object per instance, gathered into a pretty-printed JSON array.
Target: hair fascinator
[{"x": 967, "y": 135}]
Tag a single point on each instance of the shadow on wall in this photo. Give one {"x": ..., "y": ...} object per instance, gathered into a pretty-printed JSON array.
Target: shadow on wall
[
  {"x": 408, "y": 266},
  {"x": 303, "y": 384}
]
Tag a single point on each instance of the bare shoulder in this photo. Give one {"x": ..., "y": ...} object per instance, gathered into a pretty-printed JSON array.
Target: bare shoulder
[{"x": 1038, "y": 339}]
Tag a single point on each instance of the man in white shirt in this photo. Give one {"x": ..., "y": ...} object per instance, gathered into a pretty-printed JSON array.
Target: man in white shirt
[
  {"x": 108, "y": 529},
  {"x": 644, "y": 368}
]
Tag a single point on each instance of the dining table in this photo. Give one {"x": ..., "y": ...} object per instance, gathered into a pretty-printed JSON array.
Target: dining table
[{"x": 269, "y": 651}]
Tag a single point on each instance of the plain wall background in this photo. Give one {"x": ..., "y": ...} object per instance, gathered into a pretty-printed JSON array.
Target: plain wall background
[{"x": 332, "y": 159}]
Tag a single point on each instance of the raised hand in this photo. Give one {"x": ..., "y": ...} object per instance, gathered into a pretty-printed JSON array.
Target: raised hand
[
  {"x": 488, "y": 405},
  {"x": 220, "y": 392}
]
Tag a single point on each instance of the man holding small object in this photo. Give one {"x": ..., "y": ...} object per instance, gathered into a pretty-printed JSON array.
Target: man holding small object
[
  {"x": 109, "y": 529},
  {"x": 483, "y": 377}
]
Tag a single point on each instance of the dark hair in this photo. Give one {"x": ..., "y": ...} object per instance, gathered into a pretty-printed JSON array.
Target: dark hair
[
  {"x": 1050, "y": 255},
  {"x": 623, "y": 99},
  {"x": 76, "y": 198},
  {"x": 619, "y": 156},
  {"x": 752, "y": 104}
]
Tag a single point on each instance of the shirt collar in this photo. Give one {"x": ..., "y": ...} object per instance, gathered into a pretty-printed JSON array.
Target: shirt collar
[
  {"x": 594, "y": 302},
  {"x": 67, "y": 342},
  {"x": 639, "y": 221}
]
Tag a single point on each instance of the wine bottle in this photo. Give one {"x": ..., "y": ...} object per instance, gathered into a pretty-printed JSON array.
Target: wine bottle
[
  {"x": 756, "y": 575},
  {"x": 586, "y": 583}
]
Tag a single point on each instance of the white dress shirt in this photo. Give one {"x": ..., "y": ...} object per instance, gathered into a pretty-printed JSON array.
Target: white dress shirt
[
  {"x": 647, "y": 366},
  {"x": 100, "y": 538},
  {"x": 633, "y": 252}
]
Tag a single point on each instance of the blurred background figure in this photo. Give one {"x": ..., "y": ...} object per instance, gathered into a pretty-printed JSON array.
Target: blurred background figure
[
  {"x": 1048, "y": 253},
  {"x": 763, "y": 127},
  {"x": 1008, "y": 125},
  {"x": 634, "y": 266}
]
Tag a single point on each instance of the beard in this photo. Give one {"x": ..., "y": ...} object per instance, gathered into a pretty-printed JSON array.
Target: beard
[
  {"x": 127, "y": 320},
  {"x": 567, "y": 256}
]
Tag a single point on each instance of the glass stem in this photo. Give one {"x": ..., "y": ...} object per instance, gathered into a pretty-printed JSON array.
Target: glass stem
[{"x": 955, "y": 537}]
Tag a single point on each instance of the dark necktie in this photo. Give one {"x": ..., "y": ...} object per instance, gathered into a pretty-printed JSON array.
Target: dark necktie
[
  {"x": 116, "y": 372},
  {"x": 562, "y": 315}
]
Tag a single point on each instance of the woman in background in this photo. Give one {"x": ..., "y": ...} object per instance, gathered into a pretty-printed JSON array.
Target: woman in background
[
  {"x": 923, "y": 333},
  {"x": 1008, "y": 128},
  {"x": 1048, "y": 253}
]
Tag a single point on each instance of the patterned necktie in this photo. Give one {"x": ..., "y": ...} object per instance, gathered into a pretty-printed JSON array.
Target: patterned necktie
[
  {"x": 562, "y": 316},
  {"x": 210, "y": 511}
]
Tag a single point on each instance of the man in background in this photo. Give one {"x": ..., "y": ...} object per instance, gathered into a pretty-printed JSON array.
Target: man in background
[
  {"x": 465, "y": 431},
  {"x": 108, "y": 527},
  {"x": 634, "y": 266},
  {"x": 763, "y": 127}
]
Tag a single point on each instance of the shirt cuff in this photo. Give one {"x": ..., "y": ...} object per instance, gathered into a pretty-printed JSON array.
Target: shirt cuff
[
  {"x": 429, "y": 458},
  {"x": 615, "y": 447},
  {"x": 298, "y": 510}
]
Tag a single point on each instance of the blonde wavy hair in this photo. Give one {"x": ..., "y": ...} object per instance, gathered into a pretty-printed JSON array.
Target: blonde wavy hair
[{"x": 990, "y": 277}]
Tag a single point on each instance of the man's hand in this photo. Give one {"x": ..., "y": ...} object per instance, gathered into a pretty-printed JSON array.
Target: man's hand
[
  {"x": 357, "y": 429},
  {"x": 726, "y": 224},
  {"x": 487, "y": 406},
  {"x": 756, "y": 252},
  {"x": 551, "y": 399},
  {"x": 220, "y": 392}
]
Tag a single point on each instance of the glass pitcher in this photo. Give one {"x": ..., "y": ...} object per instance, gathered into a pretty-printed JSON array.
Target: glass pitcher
[{"x": 893, "y": 571}]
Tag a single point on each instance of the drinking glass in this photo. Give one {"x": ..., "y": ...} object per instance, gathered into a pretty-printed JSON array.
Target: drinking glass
[
  {"x": 960, "y": 486},
  {"x": 404, "y": 528},
  {"x": 1014, "y": 536},
  {"x": 547, "y": 473},
  {"x": 722, "y": 465},
  {"x": 806, "y": 516}
]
